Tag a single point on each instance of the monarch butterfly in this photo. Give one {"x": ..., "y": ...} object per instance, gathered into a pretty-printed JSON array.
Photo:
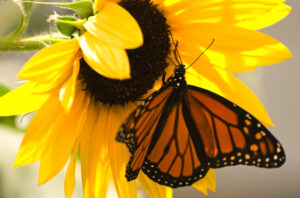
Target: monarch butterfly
[{"x": 180, "y": 131}]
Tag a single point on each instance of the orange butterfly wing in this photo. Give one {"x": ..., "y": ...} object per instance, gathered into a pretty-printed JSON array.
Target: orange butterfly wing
[
  {"x": 138, "y": 129},
  {"x": 176, "y": 138},
  {"x": 157, "y": 136},
  {"x": 237, "y": 137}
]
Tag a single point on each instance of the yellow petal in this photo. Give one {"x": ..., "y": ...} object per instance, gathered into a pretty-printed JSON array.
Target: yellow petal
[
  {"x": 67, "y": 91},
  {"x": 118, "y": 153},
  {"x": 70, "y": 175},
  {"x": 51, "y": 63},
  {"x": 266, "y": 19},
  {"x": 38, "y": 131},
  {"x": 99, "y": 4},
  {"x": 115, "y": 26},
  {"x": 95, "y": 165},
  {"x": 61, "y": 140},
  {"x": 251, "y": 14},
  {"x": 235, "y": 49},
  {"x": 21, "y": 100},
  {"x": 109, "y": 61},
  {"x": 154, "y": 190},
  {"x": 207, "y": 183},
  {"x": 226, "y": 85}
]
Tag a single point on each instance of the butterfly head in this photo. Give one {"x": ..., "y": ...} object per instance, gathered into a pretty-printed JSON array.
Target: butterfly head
[
  {"x": 177, "y": 80},
  {"x": 179, "y": 69}
]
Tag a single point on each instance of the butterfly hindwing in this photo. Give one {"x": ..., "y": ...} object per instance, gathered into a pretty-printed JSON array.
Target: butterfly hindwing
[
  {"x": 237, "y": 136},
  {"x": 172, "y": 158}
]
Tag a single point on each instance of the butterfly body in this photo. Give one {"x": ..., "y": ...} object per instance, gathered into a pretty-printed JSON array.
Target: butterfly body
[{"x": 180, "y": 131}]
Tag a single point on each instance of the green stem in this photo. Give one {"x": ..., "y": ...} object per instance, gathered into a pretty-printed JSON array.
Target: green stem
[
  {"x": 13, "y": 45},
  {"x": 25, "y": 14}
]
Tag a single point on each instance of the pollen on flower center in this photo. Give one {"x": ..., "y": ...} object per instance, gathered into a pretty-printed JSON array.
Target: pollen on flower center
[{"x": 147, "y": 62}]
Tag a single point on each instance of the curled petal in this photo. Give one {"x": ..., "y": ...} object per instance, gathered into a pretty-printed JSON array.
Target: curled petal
[
  {"x": 107, "y": 60},
  {"x": 100, "y": 3},
  {"x": 115, "y": 26}
]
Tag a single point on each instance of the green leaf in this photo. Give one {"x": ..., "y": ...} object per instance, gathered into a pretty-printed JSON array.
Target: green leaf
[
  {"x": 25, "y": 9},
  {"x": 65, "y": 28},
  {"x": 83, "y": 8},
  {"x": 11, "y": 120}
]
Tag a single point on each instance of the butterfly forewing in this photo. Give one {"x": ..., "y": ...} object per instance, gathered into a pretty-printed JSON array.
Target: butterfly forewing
[
  {"x": 136, "y": 127},
  {"x": 137, "y": 131}
]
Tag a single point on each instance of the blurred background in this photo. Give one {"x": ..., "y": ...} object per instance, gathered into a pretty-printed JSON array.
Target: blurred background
[{"x": 278, "y": 87}]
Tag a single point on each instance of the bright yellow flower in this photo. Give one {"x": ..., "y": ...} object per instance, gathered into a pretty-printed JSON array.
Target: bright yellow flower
[{"x": 80, "y": 109}]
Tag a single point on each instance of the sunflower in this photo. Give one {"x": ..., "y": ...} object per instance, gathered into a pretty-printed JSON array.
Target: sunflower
[{"x": 82, "y": 92}]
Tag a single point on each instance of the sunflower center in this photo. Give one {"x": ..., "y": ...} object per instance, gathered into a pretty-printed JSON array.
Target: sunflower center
[{"x": 147, "y": 62}]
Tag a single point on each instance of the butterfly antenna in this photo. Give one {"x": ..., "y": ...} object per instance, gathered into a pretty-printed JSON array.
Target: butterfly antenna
[
  {"x": 176, "y": 54},
  {"x": 213, "y": 40},
  {"x": 175, "y": 51},
  {"x": 172, "y": 61}
]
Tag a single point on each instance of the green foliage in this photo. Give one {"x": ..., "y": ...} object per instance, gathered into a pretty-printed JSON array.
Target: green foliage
[
  {"x": 25, "y": 9},
  {"x": 67, "y": 25},
  {"x": 11, "y": 41},
  {"x": 83, "y": 8},
  {"x": 65, "y": 28}
]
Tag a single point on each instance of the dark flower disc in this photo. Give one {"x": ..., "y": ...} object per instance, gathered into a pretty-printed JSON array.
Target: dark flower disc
[{"x": 147, "y": 62}]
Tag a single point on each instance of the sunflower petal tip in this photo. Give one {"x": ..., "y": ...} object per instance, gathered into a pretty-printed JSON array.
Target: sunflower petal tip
[
  {"x": 290, "y": 55},
  {"x": 126, "y": 77},
  {"x": 15, "y": 164},
  {"x": 40, "y": 184},
  {"x": 140, "y": 40},
  {"x": 21, "y": 74},
  {"x": 42, "y": 181},
  {"x": 19, "y": 162}
]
